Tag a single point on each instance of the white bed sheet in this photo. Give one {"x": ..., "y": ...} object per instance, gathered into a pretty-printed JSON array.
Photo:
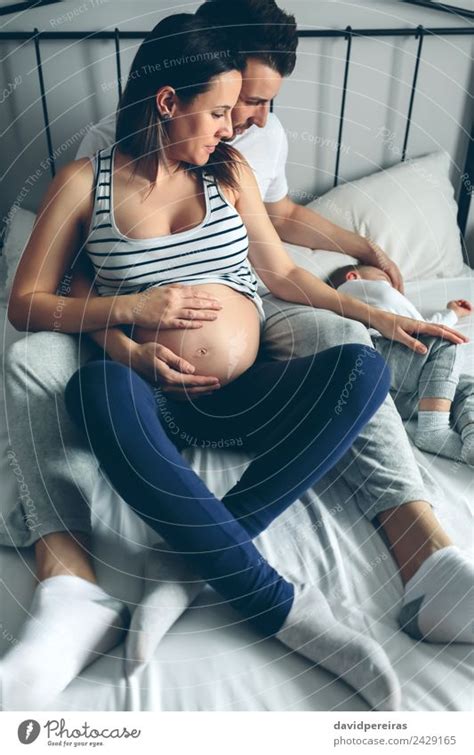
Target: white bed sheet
[{"x": 210, "y": 660}]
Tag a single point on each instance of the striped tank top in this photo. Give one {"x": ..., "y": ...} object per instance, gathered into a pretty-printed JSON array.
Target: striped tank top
[{"x": 215, "y": 251}]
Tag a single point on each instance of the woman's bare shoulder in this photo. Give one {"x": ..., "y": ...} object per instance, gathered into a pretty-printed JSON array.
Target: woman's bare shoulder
[
  {"x": 71, "y": 188},
  {"x": 77, "y": 176},
  {"x": 243, "y": 175}
]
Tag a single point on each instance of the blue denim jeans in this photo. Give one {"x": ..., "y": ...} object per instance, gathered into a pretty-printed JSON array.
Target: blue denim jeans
[{"x": 297, "y": 418}]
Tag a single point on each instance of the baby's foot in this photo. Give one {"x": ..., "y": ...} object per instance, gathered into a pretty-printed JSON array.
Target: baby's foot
[{"x": 434, "y": 435}]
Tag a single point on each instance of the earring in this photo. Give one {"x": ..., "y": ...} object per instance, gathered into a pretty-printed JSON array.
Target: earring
[{"x": 166, "y": 116}]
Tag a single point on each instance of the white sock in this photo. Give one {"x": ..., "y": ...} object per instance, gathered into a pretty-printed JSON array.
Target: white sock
[
  {"x": 312, "y": 630},
  {"x": 467, "y": 453},
  {"x": 434, "y": 434},
  {"x": 170, "y": 588},
  {"x": 438, "y": 605},
  {"x": 71, "y": 623}
]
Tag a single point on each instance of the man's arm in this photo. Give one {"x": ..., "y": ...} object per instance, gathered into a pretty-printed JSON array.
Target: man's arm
[{"x": 300, "y": 225}]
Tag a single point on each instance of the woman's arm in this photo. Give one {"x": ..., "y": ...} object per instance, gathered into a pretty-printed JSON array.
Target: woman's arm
[
  {"x": 39, "y": 299},
  {"x": 292, "y": 283}
]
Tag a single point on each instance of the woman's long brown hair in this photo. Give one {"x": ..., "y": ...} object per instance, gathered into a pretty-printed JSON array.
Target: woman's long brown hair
[{"x": 179, "y": 52}]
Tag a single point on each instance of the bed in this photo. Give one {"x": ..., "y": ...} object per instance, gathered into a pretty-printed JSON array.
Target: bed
[{"x": 212, "y": 661}]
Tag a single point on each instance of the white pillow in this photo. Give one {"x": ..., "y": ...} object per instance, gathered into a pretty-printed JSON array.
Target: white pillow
[
  {"x": 16, "y": 237},
  {"x": 409, "y": 210}
]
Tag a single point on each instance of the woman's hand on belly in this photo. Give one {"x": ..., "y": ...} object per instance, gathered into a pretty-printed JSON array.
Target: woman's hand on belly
[
  {"x": 222, "y": 349},
  {"x": 161, "y": 366},
  {"x": 174, "y": 306}
]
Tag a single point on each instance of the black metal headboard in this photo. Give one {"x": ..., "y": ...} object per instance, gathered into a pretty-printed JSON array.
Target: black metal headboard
[{"x": 419, "y": 33}]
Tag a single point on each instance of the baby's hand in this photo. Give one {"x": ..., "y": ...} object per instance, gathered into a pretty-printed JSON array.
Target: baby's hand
[{"x": 462, "y": 307}]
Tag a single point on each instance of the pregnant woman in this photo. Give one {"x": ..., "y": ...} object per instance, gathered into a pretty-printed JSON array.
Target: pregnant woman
[{"x": 170, "y": 205}]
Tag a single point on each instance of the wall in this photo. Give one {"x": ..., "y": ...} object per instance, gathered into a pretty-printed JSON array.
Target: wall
[{"x": 80, "y": 80}]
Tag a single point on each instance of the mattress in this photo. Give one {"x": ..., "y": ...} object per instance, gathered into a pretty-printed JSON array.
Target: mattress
[{"x": 210, "y": 660}]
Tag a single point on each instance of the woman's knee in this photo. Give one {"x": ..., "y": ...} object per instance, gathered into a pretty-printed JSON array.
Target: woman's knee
[
  {"x": 354, "y": 374},
  {"x": 364, "y": 373}
]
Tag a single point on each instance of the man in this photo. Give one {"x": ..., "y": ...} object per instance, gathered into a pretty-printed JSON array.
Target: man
[{"x": 388, "y": 489}]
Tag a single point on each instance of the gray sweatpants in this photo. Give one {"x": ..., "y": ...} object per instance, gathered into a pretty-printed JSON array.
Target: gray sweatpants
[
  {"x": 59, "y": 472},
  {"x": 435, "y": 374}
]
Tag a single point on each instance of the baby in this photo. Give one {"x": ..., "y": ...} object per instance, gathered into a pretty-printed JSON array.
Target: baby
[{"x": 424, "y": 382}]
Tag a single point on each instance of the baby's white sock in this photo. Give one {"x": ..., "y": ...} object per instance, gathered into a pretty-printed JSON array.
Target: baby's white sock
[
  {"x": 170, "y": 588},
  {"x": 467, "y": 436},
  {"x": 434, "y": 434},
  {"x": 438, "y": 605},
  {"x": 312, "y": 630},
  {"x": 71, "y": 623}
]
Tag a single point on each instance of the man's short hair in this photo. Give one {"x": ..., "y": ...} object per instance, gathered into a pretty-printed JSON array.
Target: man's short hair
[
  {"x": 259, "y": 28},
  {"x": 338, "y": 277}
]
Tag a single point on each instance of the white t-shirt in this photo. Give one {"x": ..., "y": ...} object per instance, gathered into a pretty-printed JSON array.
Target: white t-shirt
[
  {"x": 381, "y": 295},
  {"x": 265, "y": 149}
]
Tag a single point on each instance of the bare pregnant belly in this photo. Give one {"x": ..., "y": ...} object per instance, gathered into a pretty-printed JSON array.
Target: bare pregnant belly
[{"x": 223, "y": 348}]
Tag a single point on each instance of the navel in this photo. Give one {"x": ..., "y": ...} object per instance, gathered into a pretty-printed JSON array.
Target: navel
[{"x": 201, "y": 351}]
